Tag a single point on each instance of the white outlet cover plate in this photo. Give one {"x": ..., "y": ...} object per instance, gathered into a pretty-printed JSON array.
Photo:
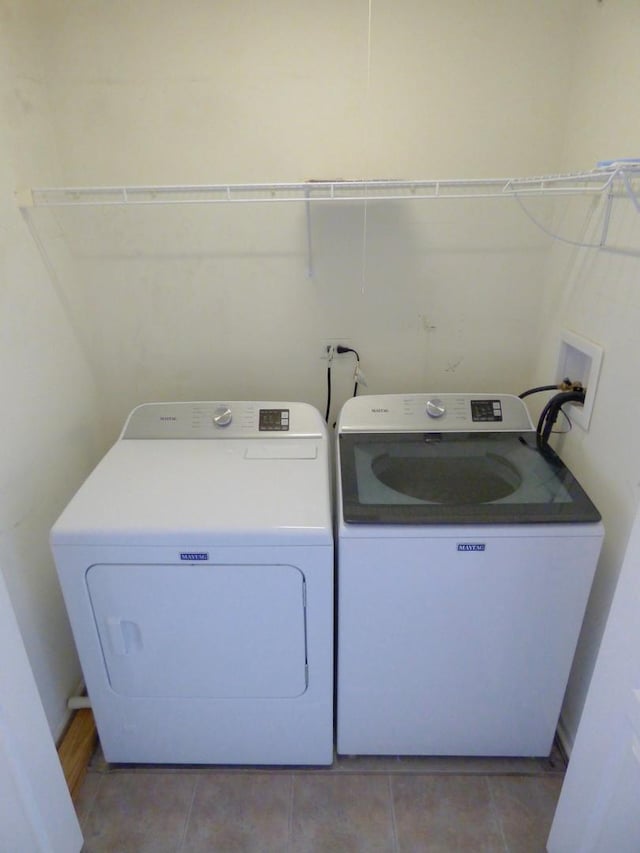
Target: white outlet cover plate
[{"x": 580, "y": 359}]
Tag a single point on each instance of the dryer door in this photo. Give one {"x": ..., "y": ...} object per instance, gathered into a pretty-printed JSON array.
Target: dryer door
[{"x": 207, "y": 631}]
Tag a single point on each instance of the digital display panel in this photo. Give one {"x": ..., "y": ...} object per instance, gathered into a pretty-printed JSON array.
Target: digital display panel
[
  {"x": 273, "y": 420},
  {"x": 486, "y": 410}
]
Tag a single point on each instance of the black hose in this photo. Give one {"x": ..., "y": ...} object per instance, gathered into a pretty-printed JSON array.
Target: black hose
[
  {"x": 549, "y": 414},
  {"x": 326, "y": 417},
  {"x": 537, "y": 390},
  {"x": 340, "y": 350}
]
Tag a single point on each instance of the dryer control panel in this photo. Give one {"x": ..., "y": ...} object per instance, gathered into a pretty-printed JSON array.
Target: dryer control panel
[{"x": 235, "y": 419}]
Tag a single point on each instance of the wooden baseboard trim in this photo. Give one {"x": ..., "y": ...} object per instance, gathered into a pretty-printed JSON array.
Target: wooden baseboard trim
[{"x": 76, "y": 748}]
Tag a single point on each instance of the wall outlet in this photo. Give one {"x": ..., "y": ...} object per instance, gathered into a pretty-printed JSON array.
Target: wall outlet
[
  {"x": 580, "y": 360},
  {"x": 329, "y": 344}
]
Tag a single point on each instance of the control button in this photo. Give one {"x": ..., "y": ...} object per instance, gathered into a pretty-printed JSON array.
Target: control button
[
  {"x": 222, "y": 416},
  {"x": 436, "y": 408}
]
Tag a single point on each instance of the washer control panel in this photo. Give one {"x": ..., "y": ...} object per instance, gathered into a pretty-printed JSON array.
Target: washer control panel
[
  {"x": 236, "y": 419},
  {"x": 435, "y": 413}
]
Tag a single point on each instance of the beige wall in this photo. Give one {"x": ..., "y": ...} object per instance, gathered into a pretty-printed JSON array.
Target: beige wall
[
  {"x": 216, "y": 303},
  {"x": 597, "y": 294},
  {"x": 49, "y": 404},
  {"x": 225, "y": 91}
]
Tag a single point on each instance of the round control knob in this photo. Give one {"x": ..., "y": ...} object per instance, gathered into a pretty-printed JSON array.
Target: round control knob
[
  {"x": 436, "y": 408},
  {"x": 222, "y": 416}
]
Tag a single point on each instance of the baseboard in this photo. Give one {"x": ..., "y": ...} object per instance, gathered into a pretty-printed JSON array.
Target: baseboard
[
  {"x": 64, "y": 722},
  {"x": 76, "y": 748}
]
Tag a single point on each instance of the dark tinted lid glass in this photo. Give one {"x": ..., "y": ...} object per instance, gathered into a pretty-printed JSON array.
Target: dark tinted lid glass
[{"x": 457, "y": 478}]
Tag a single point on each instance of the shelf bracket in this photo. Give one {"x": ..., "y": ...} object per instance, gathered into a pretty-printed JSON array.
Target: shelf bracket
[{"x": 630, "y": 191}]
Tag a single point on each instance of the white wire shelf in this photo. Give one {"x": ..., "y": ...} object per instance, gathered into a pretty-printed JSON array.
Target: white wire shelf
[
  {"x": 614, "y": 180},
  {"x": 623, "y": 176}
]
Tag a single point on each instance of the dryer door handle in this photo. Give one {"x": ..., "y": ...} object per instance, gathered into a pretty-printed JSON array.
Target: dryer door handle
[{"x": 124, "y": 636}]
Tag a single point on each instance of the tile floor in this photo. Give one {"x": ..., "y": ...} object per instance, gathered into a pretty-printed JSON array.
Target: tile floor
[{"x": 369, "y": 805}]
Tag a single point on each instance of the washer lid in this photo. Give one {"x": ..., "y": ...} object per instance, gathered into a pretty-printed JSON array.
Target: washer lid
[{"x": 456, "y": 478}]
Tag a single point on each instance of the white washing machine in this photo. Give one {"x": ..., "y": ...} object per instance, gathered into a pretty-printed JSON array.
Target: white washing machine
[
  {"x": 196, "y": 564},
  {"x": 465, "y": 560}
]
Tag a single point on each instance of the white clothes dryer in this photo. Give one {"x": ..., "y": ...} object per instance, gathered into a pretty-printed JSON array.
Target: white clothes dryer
[
  {"x": 465, "y": 560},
  {"x": 196, "y": 564}
]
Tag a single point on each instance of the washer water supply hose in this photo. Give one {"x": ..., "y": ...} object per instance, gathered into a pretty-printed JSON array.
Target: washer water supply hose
[
  {"x": 569, "y": 392},
  {"x": 550, "y": 413},
  {"x": 539, "y": 388}
]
